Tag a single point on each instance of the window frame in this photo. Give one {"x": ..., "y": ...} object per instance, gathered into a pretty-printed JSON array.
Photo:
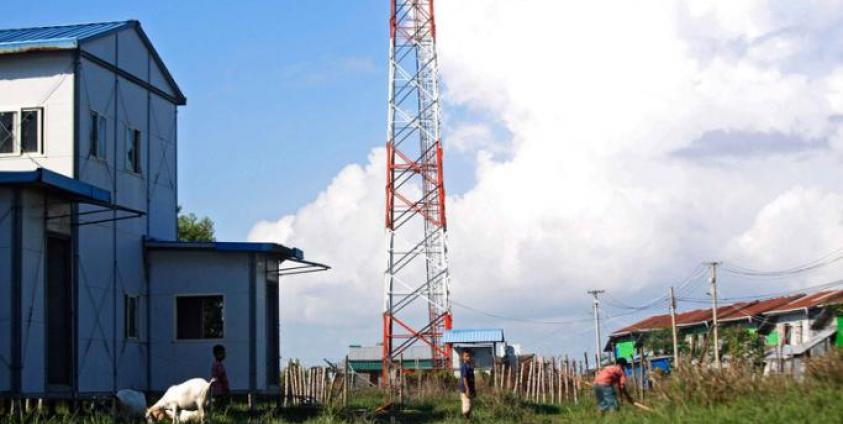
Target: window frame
[
  {"x": 176, "y": 317},
  {"x": 15, "y": 132},
  {"x": 93, "y": 151},
  {"x": 39, "y": 142},
  {"x": 133, "y": 165},
  {"x": 127, "y": 334}
]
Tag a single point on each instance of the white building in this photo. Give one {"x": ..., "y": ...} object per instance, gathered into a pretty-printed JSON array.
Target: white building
[{"x": 95, "y": 293}]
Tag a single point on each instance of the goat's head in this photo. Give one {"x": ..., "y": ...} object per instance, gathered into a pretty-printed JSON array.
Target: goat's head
[{"x": 155, "y": 415}]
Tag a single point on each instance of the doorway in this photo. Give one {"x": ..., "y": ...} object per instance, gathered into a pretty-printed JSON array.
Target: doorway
[{"x": 59, "y": 313}]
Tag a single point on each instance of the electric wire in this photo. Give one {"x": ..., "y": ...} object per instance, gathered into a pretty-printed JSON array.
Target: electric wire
[
  {"x": 831, "y": 284},
  {"x": 823, "y": 261},
  {"x": 518, "y": 319}
]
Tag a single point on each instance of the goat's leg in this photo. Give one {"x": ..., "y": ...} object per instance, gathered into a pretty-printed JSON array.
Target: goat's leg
[
  {"x": 201, "y": 409},
  {"x": 176, "y": 414}
]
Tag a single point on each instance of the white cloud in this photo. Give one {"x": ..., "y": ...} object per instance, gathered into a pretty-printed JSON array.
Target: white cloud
[{"x": 597, "y": 97}]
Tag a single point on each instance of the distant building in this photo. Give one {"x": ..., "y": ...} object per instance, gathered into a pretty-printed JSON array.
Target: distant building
[
  {"x": 366, "y": 362},
  {"x": 791, "y": 327},
  {"x": 487, "y": 346},
  {"x": 96, "y": 294}
]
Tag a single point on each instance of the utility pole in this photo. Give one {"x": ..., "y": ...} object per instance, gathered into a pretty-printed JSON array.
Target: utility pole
[
  {"x": 673, "y": 327},
  {"x": 713, "y": 266},
  {"x": 596, "y": 308}
]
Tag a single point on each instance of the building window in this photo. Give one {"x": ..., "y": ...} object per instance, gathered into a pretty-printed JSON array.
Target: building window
[
  {"x": 31, "y": 126},
  {"x": 133, "y": 150},
  {"x": 98, "y": 139},
  {"x": 7, "y": 132},
  {"x": 130, "y": 322},
  {"x": 199, "y": 317}
]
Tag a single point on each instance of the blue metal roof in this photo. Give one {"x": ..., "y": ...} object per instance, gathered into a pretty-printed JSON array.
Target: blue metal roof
[
  {"x": 57, "y": 183},
  {"x": 474, "y": 335},
  {"x": 55, "y": 37},
  {"x": 226, "y": 246},
  {"x": 69, "y": 37}
]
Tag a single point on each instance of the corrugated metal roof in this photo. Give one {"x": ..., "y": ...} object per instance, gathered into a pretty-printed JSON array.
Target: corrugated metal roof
[
  {"x": 375, "y": 353},
  {"x": 737, "y": 311},
  {"x": 478, "y": 335},
  {"x": 758, "y": 307},
  {"x": 55, "y": 37},
  {"x": 69, "y": 37},
  {"x": 225, "y": 246},
  {"x": 823, "y": 297}
]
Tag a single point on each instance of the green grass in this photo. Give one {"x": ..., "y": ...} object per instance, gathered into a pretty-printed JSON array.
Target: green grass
[
  {"x": 792, "y": 405},
  {"x": 690, "y": 395}
]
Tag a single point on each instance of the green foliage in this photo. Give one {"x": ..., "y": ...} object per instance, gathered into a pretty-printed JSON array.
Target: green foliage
[
  {"x": 659, "y": 342},
  {"x": 194, "y": 228},
  {"x": 744, "y": 345}
]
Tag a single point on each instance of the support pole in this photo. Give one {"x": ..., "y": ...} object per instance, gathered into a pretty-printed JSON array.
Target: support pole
[
  {"x": 673, "y": 327},
  {"x": 714, "y": 313},
  {"x": 596, "y": 308}
]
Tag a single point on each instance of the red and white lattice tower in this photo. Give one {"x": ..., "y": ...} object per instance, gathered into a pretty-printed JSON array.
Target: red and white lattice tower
[{"x": 416, "y": 287}]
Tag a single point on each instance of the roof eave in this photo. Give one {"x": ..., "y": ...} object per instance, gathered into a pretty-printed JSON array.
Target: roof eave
[{"x": 39, "y": 46}]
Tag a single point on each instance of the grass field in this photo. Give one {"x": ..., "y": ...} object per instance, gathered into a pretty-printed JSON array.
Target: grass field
[
  {"x": 792, "y": 405},
  {"x": 689, "y": 396}
]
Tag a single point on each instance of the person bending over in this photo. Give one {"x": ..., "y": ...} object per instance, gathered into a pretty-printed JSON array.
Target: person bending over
[{"x": 604, "y": 386}]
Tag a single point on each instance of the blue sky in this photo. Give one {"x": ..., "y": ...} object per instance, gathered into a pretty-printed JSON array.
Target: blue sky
[{"x": 280, "y": 95}]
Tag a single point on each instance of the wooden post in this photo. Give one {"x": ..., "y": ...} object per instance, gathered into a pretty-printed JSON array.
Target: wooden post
[
  {"x": 574, "y": 381},
  {"x": 401, "y": 380},
  {"x": 641, "y": 371},
  {"x": 345, "y": 383},
  {"x": 550, "y": 387},
  {"x": 565, "y": 379}
]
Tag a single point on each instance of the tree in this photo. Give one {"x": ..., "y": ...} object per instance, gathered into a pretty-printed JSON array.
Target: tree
[{"x": 193, "y": 228}]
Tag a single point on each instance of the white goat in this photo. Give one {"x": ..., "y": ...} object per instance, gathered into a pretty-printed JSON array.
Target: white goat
[
  {"x": 131, "y": 403},
  {"x": 186, "y": 416},
  {"x": 192, "y": 395}
]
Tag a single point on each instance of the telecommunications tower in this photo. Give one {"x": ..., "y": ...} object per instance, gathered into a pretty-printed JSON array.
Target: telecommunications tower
[{"x": 417, "y": 309}]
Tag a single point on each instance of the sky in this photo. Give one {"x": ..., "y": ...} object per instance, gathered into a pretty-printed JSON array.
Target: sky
[{"x": 610, "y": 145}]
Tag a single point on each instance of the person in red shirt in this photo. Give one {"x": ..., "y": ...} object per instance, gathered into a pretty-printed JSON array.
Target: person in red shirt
[
  {"x": 604, "y": 386},
  {"x": 219, "y": 389}
]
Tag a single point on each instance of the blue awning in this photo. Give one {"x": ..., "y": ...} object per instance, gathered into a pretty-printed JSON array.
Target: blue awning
[
  {"x": 477, "y": 335},
  {"x": 69, "y": 190},
  {"x": 291, "y": 254}
]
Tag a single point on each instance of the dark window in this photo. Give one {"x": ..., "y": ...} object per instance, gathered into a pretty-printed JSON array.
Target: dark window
[
  {"x": 7, "y": 132},
  {"x": 30, "y": 130},
  {"x": 133, "y": 149},
  {"x": 199, "y": 317},
  {"x": 131, "y": 321},
  {"x": 98, "y": 139}
]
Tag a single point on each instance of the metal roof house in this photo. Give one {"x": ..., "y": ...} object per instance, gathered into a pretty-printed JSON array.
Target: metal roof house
[
  {"x": 791, "y": 325},
  {"x": 96, "y": 294},
  {"x": 481, "y": 342}
]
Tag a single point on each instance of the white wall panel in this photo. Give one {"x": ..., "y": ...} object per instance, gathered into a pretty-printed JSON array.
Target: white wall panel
[
  {"x": 5, "y": 288},
  {"x": 132, "y": 53},
  {"x": 32, "y": 294},
  {"x": 183, "y": 272},
  {"x": 41, "y": 80},
  {"x": 102, "y": 47}
]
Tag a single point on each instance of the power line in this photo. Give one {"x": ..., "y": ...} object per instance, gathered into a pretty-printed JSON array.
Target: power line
[
  {"x": 783, "y": 293},
  {"x": 823, "y": 261},
  {"x": 517, "y": 319}
]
